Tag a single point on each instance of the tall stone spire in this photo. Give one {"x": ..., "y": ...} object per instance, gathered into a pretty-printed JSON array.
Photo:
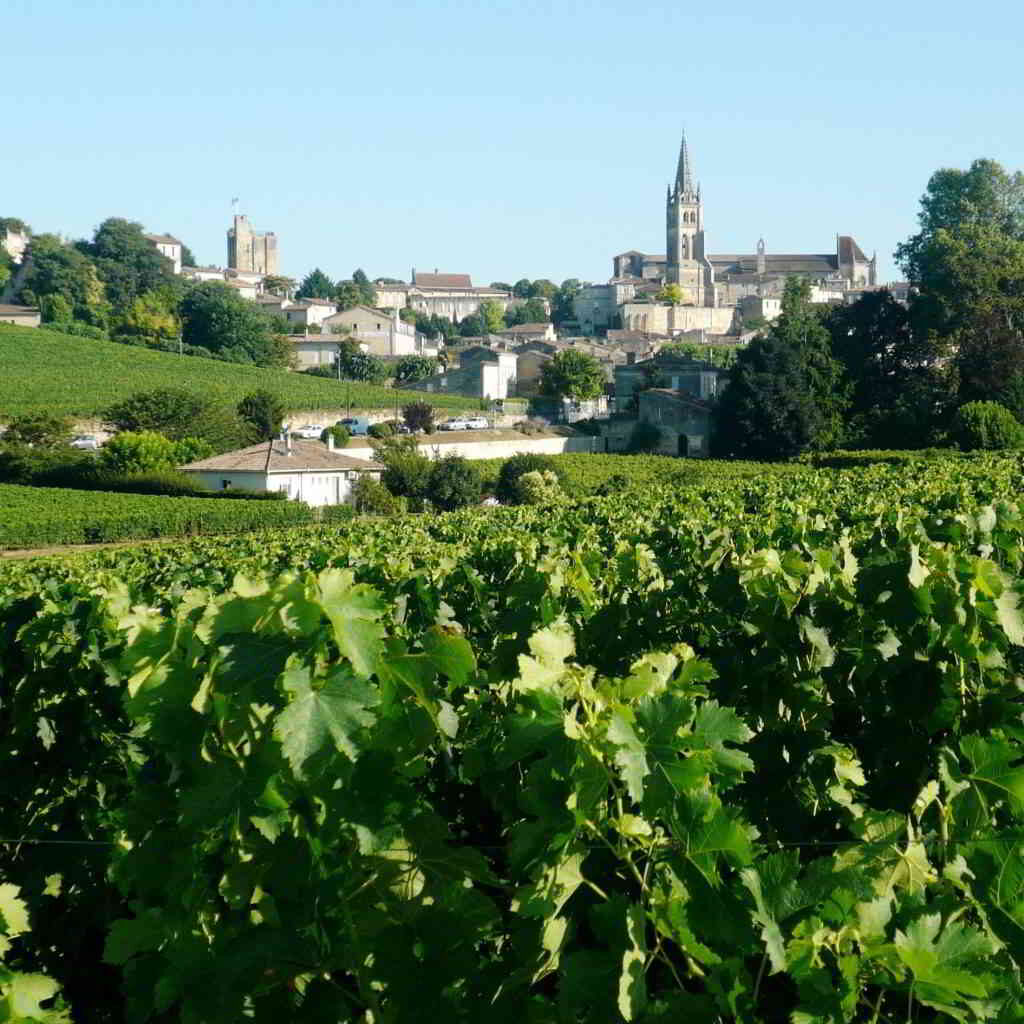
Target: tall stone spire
[{"x": 684, "y": 173}]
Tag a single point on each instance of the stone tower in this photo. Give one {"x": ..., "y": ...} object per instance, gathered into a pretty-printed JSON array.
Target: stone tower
[
  {"x": 255, "y": 252},
  {"x": 684, "y": 219}
]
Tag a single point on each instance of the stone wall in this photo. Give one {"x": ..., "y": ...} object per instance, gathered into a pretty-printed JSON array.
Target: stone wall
[{"x": 493, "y": 449}]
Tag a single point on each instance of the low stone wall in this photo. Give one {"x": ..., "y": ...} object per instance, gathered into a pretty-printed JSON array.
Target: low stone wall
[{"x": 495, "y": 449}]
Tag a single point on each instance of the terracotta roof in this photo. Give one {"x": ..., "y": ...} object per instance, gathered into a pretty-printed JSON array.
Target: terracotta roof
[
  {"x": 166, "y": 239},
  {"x": 442, "y": 280},
  {"x": 7, "y": 310},
  {"x": 850, "y": 251},
  {"x": 273, "y": 457},
  {"x": 526, "y": 329}
]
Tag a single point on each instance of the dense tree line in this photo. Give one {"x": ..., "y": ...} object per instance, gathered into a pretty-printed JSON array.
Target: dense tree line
[{"x": 879, "y": 373}]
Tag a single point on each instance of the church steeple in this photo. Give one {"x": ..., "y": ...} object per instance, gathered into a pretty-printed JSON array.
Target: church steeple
[{"x": 684, "y": 173}]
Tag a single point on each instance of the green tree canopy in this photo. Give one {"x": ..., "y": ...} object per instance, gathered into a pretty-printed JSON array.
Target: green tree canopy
[
  {"x": 316, "y": 285},
  {"x": 355, "y": 364},
  {"x": 786, "y": 393},
  {"x": 264, "y": 411},
  {"x": 127, "y": 261},
  {"x": 214, "y": 317},
  {"x": 453, "y": 483},
  {"x": 670, "y": 293},
  {"x": 572, "y": 374},
  {"x": 59, "y": 269},
  {"x": 39, "y": 429},
  {"x": 413, "y": 368},
  {"x": 562, "y": 308}
]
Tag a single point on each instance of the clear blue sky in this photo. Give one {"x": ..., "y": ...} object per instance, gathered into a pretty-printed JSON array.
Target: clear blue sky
[{"x": 502, "y": 139}]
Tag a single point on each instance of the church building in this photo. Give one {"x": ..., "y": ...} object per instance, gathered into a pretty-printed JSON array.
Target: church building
[{"x": 711, "y": 281}]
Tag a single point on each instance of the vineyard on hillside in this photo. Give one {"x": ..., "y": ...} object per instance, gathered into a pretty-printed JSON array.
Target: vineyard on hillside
[
  {"x": 46, "y": 371},
  {"x": 740, "y": 748}
]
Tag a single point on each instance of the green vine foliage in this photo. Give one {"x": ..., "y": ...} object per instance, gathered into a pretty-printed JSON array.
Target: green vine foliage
[{"x": 746, "y": 752}]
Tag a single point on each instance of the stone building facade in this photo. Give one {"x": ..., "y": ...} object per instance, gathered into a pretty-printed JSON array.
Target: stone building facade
[
  {"x": 250, "y": 250},
  {"x": 452, "y": 296}
]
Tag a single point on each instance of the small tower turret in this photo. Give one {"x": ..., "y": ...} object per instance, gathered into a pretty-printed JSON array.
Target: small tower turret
[
  {"x": 762, "y": 263},
  {"x": 684, "y": 230}
]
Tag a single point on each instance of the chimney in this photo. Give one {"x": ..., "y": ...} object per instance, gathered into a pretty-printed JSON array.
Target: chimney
[
  {"x": 330, "y": 440},
  {"x": 288, "y": 443}
]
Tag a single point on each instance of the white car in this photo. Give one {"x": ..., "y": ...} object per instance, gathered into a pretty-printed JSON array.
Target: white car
[
  {"x": 455, "y": 423},
  {"x": 477, "y": 423},
  {"x": 86, "y": 442},
  {"x": 310, "y": 431}
]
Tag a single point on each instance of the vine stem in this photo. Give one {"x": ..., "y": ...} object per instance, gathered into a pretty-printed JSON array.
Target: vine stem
[{"x": 760, "y": 976}]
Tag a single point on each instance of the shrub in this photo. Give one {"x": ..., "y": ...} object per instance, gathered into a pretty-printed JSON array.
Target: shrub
[
  {"x": 406, "y": 471},
  {"x": 987, "y": 425},
  {"x": 646, "y": 437},
  {"x": 338, "y": 432},
  {"x": 530, "y": 427},
  {"x": 145, "y": 450},
  {"x": 454, "y": 482},
  {"x": 419, "y": 416},
  {"x": 264, "y": 411},
  {"x": 538, "y": 487},
  {"x": 371, "y": 497},
  {"x": 615, "y": 484},
  {"x": 512, "y": 469},
  {"x": 381, "y": 430},
  {"x": 39, "y": 429},
  {"x": 20, "y": 464}
]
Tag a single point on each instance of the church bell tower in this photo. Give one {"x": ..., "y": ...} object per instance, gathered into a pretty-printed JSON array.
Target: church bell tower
[{"x": 685, "y": 232}]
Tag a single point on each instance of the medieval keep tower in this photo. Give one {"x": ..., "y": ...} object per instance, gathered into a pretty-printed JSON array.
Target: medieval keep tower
[
  {"x": 684, "y": 216},
  {"x": 252, "y": 251}
]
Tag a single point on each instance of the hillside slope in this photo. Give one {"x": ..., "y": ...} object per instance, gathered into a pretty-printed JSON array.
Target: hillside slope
[{"x": 45, "y": 370}]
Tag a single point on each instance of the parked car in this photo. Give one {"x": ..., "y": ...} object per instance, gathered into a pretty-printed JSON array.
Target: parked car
[
  {"x": 87, "y": 442},
  {"x": 310, "y": 431},
  {"x": 477, "y": 423},
  {"x": 357, "y": 426},
  {"x": 455, "y": 423}
]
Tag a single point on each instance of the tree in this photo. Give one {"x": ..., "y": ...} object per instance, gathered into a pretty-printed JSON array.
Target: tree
[
  {"x": 214, "y": 317},
  {"x": 670, "y": 293},
  {"x": 501, "y": 286},
  {"x": 986, "y": 425},
  {"x": 56, "y": 309},
  {"x": 539, "y": 487},
  {"x": 563, "y": 304},
  {"x": 127, "y": 262},
  {"x": 419, "y": 416},
  {"x": 316, "y": 285},
  {"x": 144, "y": 451},
  {"x": 898, "y": 389},
  {"x": 572, "y": 374},
  {"x": 507, "y": 489},
  {"x": 491, "y": 315},
  {"x": 274, "y": 284},
  {"x": 646, "y": 437},
  {"x": 39, "y": 429},
  {"x": 406, "y": 471},
  {"x": 348, "y": 295},
  {"x": 472, "y": 326},
  {"x": 409, "y": 369},
  {"x": 59, "y": 269},
  {"x": 532, "y": 311},
  {"x": 786, "y": 394},
  {"x": 522, "y": 288},
  {"x": 967, "y": 259},
  {"x": 354, "y": 364},
  {"x": 367, "y": 292},
  {"x": 370, "y": 497},
  {"x": 340, "y": 434},
  {"x": 542, "y": 289},
  {"x": 149, "y": 318},
  {"x": 453, "y": 483},
  {"x": 188, "y": 260},
  {"x": 264, "y": 411}
]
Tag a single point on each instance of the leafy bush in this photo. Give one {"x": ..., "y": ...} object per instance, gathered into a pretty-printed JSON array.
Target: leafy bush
[
  {"x": 371, "y": 497},
  {"x": 381, "y": 430},
  {"x": 507, "y": 489},
  {"x": 168, "y": 411},
  {"x": 338, "y": 432},
  {"x": 454, "y": 482},
  {"x": 419, "y": 416},
  {"x": 406, "y": 470},
  {"x": 145, "y": 450},
  {"x": 538, "y": 487},
  {"x": 39, "y": 429},
  {"x": 530, "y": 427},
  {"x": 986, "y": 425},
  {"x": 264, "y": 411},
  {"x": 20, "y": 464},
  {"x": 615, "y": 484},
  {"x": 646, "y": 438}
]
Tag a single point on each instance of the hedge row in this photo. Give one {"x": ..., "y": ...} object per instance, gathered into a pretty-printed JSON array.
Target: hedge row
[{"x": 40, "y": 516}]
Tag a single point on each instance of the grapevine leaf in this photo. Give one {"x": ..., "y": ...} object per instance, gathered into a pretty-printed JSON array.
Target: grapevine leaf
[
  {"x": 824, "y": 652},
  {"x": 450, "y": 654},
  {"x": 130, "y": 936},
  {"x": 714, "y": 727},
  {"x": 354, "y": 610},
  {"x": 1009, "y": 615},
  {"x": 629, "y": 755},
  {"x": 26, "y": 993},
  {"x": 545, "y": 665},
  {"x": 992, "y": 764},
  {"x": 13, "y": 912},
  {"x": 943, "y": 962},
  {"x": 632, "y": 987},
  {"x": 334, "y": 712}
]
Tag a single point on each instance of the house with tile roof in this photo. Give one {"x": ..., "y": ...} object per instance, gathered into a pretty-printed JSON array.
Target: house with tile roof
[
  {"x": 452, "y": 296},
  {"x": 308, "y": 471}
]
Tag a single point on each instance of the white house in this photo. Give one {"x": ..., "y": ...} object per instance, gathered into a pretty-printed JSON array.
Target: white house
[
  {"x": 380, "y": 333},
  {"x": 169, "y": 246},
  {"x": 308, "y": 471}
]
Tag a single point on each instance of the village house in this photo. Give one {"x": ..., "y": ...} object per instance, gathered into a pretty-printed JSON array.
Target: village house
[
  {"x": 452, "y": 296},
  {"x": 529, "y": 332},
  {"x": 380, "y": 333},
  {"x": 666, "y": 370},
  {"x": 308, "y": 471},
  {"x": 683, "y": 423},
  {"x": 169, "y": 246},
  {"x": 481, "y": 373}
]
